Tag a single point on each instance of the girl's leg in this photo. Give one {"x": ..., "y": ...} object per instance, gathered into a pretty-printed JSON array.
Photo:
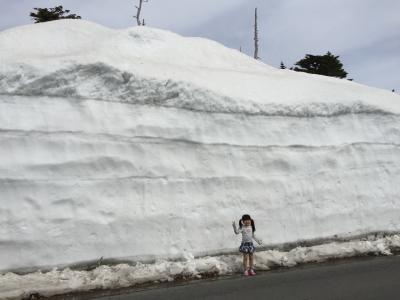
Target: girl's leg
[
  {"x": 245, "y": 259},
  {"x": 251, "y": 261},
  {"x": 251, "y": 265}
]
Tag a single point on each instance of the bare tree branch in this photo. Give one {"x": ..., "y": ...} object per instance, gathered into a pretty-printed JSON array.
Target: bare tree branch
[
  {"x": 256, "y": 35},
  {"x": 139, "y": 10}
]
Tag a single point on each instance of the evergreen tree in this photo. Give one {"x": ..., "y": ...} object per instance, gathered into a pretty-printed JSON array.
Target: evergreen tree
[
  {"x": 328, "y": 65},
  {"x": 282, "y": 66},
  {"x": 51, "y": 14}
]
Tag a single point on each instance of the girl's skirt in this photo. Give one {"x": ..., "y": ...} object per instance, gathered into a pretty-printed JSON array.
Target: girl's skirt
[{"x": 247, "y": 248}]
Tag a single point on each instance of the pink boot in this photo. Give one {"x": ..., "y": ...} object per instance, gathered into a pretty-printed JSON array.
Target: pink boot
[
  {"x": 251, "y": 272},
  {"x": 246, "y": 273}
]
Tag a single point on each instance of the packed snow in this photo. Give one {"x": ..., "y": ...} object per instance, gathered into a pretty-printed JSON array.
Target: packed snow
[
  {"x": 140, "y": 144},
  {"x": 13, "y": 286}
]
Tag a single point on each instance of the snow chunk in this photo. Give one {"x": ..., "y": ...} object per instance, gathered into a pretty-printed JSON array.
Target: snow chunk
[{"x": 13, "y": 286}]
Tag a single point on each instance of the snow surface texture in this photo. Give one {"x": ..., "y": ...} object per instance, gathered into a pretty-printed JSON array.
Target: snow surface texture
[
  {"x": 13, "y": 286},
  {"x": 140, "y": 143}
]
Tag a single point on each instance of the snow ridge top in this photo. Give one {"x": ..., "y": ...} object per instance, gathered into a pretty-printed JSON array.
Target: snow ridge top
[
  {"x": 81, "y": 40},
  {"x": 147, "y": 57}
]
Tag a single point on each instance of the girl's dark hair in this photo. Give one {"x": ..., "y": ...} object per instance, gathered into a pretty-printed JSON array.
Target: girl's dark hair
[{"x": 247, "y": 217}]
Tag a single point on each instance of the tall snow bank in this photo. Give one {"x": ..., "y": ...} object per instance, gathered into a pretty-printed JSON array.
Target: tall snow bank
[{"x": 140, "y": 143}]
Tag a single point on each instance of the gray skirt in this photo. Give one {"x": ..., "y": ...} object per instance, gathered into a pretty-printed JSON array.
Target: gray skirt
[{"x": 247, "y": 248}]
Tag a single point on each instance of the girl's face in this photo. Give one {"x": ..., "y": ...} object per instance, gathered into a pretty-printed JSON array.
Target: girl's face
[{"x": 247, "y": 222}]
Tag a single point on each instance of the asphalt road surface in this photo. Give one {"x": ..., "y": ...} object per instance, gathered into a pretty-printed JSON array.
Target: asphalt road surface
[{"x": 358, "y": 279}]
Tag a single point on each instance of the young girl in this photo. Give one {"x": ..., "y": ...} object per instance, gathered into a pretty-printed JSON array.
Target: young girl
[{"x": 247, "y": 228}]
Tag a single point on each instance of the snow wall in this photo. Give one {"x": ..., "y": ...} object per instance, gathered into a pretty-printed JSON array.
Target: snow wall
[{"x": 140, "y": 143}]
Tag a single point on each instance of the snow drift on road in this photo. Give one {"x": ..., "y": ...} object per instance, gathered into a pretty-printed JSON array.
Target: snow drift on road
[
  {"x": 13, "y": 286},
  {"x": 139, "y": 143}
]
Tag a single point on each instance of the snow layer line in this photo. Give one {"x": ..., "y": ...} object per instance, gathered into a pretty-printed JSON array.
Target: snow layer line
[{"x": 103, "y": 82}]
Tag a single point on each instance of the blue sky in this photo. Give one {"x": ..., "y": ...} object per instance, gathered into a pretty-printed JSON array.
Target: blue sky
[{"x": 364, "y": 33}]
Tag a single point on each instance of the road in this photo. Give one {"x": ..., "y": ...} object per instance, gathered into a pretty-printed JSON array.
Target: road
[{"x": 358, "y": 279}]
